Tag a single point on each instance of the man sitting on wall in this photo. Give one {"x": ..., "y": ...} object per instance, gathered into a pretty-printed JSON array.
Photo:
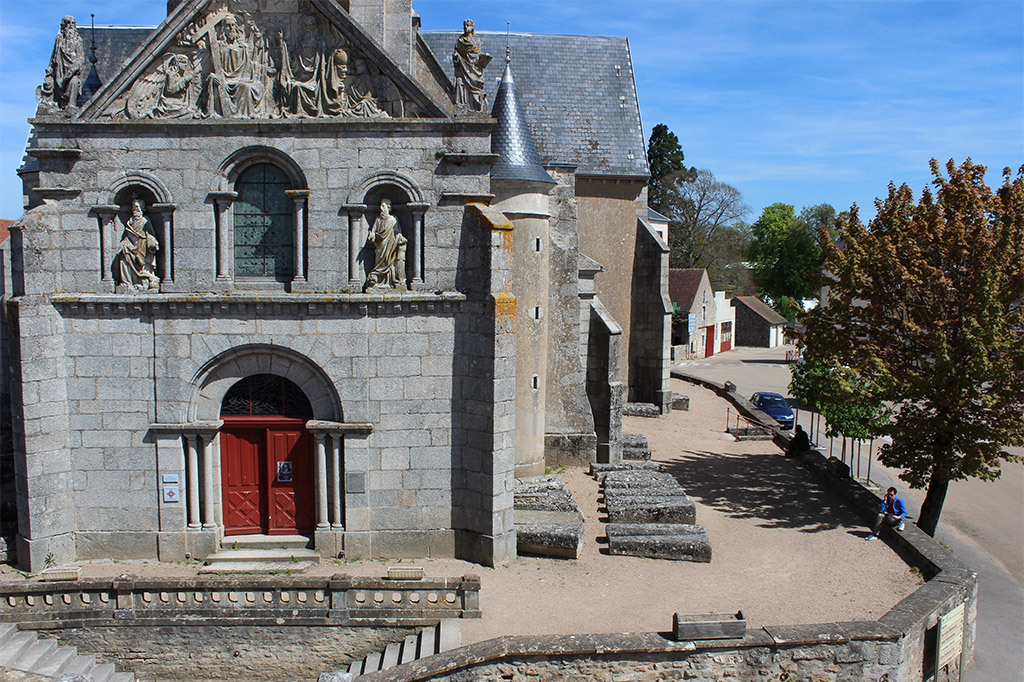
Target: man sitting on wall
[{"x": 891, "y": 511}]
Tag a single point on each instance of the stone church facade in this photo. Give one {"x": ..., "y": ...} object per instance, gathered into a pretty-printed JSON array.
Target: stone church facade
[{"x": 284, "y": 270}]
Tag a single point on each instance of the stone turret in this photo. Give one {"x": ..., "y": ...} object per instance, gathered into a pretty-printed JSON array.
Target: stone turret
[{"x": 521, "y": 186}]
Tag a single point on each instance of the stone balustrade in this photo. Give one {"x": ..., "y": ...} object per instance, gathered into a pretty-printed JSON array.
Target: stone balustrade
[{"x": 279, "y": 600}]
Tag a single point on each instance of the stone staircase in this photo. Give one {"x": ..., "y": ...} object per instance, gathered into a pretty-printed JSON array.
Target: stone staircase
[
  {"x": 272, "y": 554},
  {"x": 23, "y": 650},
  {"x": 430, "y": 640}
]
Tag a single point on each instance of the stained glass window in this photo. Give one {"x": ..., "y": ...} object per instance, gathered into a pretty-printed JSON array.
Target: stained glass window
[
  {"x": 266, "y": 395},
  {"x": 263, "y": 223}
]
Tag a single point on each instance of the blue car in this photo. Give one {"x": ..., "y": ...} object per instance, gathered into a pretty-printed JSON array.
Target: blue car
[{"x": 775, "y": 406}]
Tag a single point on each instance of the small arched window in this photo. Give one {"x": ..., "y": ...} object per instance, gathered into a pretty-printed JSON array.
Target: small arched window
[
  {"x": 264, "y": 229},
  {"x": 266, "y": 395}
]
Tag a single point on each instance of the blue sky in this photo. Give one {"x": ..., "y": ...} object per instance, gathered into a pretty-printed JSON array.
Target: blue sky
[{"x": 799, "y": 102}]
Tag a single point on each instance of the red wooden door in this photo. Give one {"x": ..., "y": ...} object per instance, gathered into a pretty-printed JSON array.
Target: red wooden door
[
  {"x": 267, "y": 476},
  {"x": 709, "y": 342}
]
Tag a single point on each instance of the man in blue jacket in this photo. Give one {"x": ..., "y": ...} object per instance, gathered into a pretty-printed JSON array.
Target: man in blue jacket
[{"x": 891, "y": 511}]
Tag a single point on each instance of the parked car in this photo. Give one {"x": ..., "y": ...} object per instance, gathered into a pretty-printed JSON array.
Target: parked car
[{"x": 775, "y": 406}]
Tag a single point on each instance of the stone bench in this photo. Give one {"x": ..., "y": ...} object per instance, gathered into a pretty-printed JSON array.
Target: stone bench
[
  {"x": 547, "y": 519},
  {"x": 557, "y": 534},
  {"x": 679, "y": 542},
  {"x": 645, "y": 509},
  {"x": 600, "y": 470}
]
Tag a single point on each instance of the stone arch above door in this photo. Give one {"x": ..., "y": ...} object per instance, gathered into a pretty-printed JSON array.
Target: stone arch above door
[{"x": 220, "y": 373}]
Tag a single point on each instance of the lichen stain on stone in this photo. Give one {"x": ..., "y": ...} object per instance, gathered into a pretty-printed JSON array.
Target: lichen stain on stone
[{"x": 504, "y": 309}]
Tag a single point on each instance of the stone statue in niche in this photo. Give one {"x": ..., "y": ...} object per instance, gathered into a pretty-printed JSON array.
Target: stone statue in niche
[
  {"x": 313, "y": 76},
  {"x": 239, "y": 82},
  {"x": 470, "y": 62},
  {"x": 135, "y": 263},
  {"x": 172, "y": 91},
  {"x": 389, "y": 251},
  {"x": 62, "y": 84}
]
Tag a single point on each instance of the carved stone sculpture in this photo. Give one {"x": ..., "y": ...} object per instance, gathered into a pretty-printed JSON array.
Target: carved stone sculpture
[
  {"x": 234, "y": 63},
  {"x": 470, "y": 63},
  {"x": 62, "y": 84},
  {"x": 135, "y": 263},
  {"x": 389, "y": 251},
  {"x": 360, "y": 88},
  {"x": 238, "y": 82},
  {"x": 172, "y": 91},
  {"x": 313, "y": 76}
]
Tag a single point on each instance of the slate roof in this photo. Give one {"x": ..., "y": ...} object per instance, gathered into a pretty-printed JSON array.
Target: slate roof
[
  {"x": 511, "y": 140},
  {"x": 759, "y": 307},
  {"x": 683, "y": 284},
  {"x": 580, "y": 108},
  {"x": 654, "y": 215}
]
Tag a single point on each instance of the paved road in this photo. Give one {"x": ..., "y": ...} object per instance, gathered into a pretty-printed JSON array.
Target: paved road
[{"x": 982, "y": 521}]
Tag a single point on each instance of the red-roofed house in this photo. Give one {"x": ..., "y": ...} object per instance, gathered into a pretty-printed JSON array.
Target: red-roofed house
[{"x": 690, "y": 291}]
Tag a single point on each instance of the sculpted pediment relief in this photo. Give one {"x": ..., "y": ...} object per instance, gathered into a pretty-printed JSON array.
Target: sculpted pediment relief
[{"x": 262, "y": 59}]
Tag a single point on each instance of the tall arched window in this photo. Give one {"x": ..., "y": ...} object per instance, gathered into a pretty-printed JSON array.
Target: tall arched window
[{"x": 263, "y": 224}]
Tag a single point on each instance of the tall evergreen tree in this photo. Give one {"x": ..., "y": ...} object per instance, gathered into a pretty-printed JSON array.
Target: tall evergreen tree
[{"x": 665, "y": 157}]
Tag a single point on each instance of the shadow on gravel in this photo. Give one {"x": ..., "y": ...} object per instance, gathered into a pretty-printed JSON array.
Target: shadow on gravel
[
  {"x": 769, "y": 487},
  {"x": 776, "y": 361}
]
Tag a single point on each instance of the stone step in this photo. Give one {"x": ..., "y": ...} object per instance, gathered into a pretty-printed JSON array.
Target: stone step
[
  {"x": 258, "y": 567},
  {"x": 102, "y": 672},
  {"x": 638, "y": 509},
  {"x": 56, "y": 662},
  {"x": 409, "y": 648},
  {"x": 679, "y": 542},
  {"x": 449, "y": 635},
  {"x": 7, "y": 630},
  {"x": 16, "y": 645},
  {"x": 39, "y": 650},
  {"x": 79, "y": 665},
  {"x": 392, "y": 654},
  {"x": 270, "y": 560},
  {"x": 123, "y": 677},
  {"x": 267, "y": 542}
]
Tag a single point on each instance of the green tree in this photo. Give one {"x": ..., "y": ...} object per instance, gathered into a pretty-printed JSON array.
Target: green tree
[
  {"x": 924, "y": 315},
  {"x": 665, "y": 157},
  {"x": 786, "y": 255}
]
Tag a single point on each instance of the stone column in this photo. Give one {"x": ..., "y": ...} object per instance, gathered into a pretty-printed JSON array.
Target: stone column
[
  {"x": 225, "y": 238},
  {"x": 322, "y": 522},
  {"x": 299, "y": 198},
  {"x": 335, "y": 474},
  {"x": 356, "y": 239},
  {"x": 192, "y": 469},
  {"x": 106, "y": 214},
  {"x": 209, "y": 513},
  {"x": 165, "y": 256},
  {"x": 414, "y": 251}
]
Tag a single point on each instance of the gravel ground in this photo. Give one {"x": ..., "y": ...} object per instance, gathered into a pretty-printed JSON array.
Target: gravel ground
[{"x": 785, "y": 550}]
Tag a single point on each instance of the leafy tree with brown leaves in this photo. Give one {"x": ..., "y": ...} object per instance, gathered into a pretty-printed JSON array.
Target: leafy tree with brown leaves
[{"x": 925, "y": 317}]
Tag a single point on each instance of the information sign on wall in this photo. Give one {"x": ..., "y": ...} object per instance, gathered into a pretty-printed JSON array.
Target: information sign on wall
[{"x": 951, "y": 637}]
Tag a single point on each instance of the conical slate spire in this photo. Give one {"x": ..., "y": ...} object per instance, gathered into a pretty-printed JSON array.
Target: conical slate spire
[{"x": 512, "y": 141}]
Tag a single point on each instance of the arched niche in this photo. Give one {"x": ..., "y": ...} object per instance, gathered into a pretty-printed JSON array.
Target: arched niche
[
  {"x": 159, "y": 211},
  {"x": 408, "y": 206}
]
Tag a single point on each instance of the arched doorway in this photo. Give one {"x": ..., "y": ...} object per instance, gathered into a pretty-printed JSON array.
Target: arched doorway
[{"x": 267, "y": 458}]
